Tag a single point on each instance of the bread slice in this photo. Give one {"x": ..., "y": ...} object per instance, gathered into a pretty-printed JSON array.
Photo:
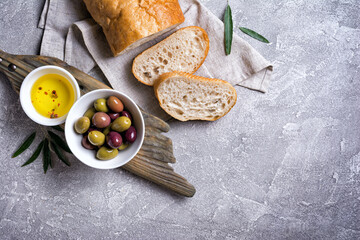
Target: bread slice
[
  {"x": 130, "y": 23},
  {"x": 185, "y": 51},
  {"x": 189, "y": 97}
]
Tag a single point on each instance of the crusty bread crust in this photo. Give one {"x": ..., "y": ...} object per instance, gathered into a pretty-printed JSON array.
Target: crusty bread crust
[
  {"x": 151, "y": 52},
  {"x": 164, "y": 77},
  {"x": 125, "y": 22}
]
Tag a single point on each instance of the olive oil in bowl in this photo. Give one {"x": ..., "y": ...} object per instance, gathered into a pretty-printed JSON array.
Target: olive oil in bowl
[
  {"x": 52, "y": 96},
  {"x": 47, "y": 95}
]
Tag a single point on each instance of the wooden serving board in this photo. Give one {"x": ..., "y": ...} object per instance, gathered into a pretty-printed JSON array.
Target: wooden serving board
[{"x": 151, "y": 162}]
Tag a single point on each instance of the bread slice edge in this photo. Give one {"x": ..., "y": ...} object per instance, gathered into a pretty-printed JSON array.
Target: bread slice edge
[{"x": 166, "y": 39}]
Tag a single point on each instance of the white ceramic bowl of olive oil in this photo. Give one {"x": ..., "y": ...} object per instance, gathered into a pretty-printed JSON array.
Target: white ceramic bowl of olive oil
[{"x": 47, "y": 95}]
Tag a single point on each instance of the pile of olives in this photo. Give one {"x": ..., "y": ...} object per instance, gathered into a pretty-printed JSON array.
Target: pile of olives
[{"x": 106, "y": 128}]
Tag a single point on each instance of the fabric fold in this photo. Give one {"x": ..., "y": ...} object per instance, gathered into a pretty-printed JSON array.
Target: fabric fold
[{"x": 78, "y": 40}]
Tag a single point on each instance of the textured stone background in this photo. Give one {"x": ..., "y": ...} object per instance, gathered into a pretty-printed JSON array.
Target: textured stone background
[{"x": 281, "y": 165}]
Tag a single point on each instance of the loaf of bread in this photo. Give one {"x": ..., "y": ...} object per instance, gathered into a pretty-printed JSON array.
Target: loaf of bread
[
  {"x": 185, "y": 51},
  {"x": 189, "y": 97},
  {"x": 130, "y": 23}
]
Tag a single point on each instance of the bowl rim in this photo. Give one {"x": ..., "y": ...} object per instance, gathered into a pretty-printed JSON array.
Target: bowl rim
[
  {"x": 70, "y": 132},
  {"x": 25, "y": 94}
]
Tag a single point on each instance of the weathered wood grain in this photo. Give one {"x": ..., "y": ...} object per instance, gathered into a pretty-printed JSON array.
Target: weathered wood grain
[{"x": 152, "y": 161}]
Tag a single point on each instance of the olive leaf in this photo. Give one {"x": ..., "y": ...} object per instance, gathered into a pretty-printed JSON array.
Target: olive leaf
[
  {"x": 254, "y": 34},
  {"x": 46, "y": 155},
  {"x": 59, "y": 153},
  {"x": 61, "y": 143},
  {"x": 228, "y": 24},
  {"x": 56, "y": 142},
  {"x": 35, "y": 154},
  {"x": 25, "y": 145},
  {"x": 58, "y": 128}
]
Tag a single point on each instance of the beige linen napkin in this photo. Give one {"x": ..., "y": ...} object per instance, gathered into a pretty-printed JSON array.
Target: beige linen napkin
[{"x": 71, "y": 35}]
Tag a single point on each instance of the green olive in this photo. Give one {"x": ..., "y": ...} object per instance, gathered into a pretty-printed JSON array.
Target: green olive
[
  {"x": 107, "y": 130},
  {"x": 100, "y": 105},
  {"x": 105, "y": 153},
  {"x": 121, "y": 124},
  {"x": 82, "y": 125},
  {"x": 96, "y": 138},
  {"x": 90, "y": 112},
  {"x": 123, "y": 146}
]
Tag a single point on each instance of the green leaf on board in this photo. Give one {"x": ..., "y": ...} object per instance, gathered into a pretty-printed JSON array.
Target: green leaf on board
[
  {"x": 61, "y": 143},
  {"x": 228, "y": 24},
  {"x": 26, "y": 144},
  {"x": 254, "y": 34},
  {"x": 35, "y": 154}
]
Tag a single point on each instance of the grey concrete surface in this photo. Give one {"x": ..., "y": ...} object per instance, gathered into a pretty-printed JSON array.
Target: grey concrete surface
[{"x": 280, "y": 165}]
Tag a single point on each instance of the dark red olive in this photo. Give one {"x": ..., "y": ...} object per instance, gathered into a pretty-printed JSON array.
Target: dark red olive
[
  {"x": 86, "y": 144},
  {"x": 126, "y": 114},
  {"x": 114, "y": 116},
  {"x": 130, "y": 134},
  {"x": 114, "y": 139}
]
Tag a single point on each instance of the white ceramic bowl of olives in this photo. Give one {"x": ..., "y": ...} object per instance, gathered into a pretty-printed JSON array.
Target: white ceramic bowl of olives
[{"x": 105, "y": 129}]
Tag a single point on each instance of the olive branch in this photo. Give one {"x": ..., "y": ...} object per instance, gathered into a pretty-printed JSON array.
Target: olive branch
[{"x": 51, "y": 143}]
